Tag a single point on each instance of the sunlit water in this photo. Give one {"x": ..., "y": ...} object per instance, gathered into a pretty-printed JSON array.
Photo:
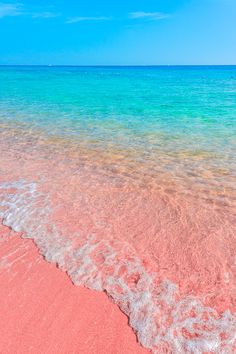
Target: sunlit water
[{"x": 125, "y": 177}]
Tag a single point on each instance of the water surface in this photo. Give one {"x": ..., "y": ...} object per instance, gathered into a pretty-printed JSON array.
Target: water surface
[{"x": 125, "y": 177}]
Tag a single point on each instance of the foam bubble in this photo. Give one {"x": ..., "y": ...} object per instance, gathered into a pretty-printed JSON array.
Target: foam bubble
[{"x": 164, "y": 321}]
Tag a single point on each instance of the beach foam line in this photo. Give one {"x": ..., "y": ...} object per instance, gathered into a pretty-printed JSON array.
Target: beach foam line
[
  {"x": 163, "y": 320},
  {"x": 43, "y": 312}
]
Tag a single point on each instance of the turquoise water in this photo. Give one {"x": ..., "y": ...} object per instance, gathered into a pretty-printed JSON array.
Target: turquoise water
[
  {"x": 154, "y": 112},
  {"x": 125, "y": 178},
  {"x": 105, "y": 102}
]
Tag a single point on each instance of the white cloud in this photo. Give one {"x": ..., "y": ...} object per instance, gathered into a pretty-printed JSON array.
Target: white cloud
[
  {"x": 10, "y": 9},
  {"x": 148, "y": 15},
  {"x": 45, "y": 14},
  {"x": 81, "y": 19},
  {"x": 18, "y": 9}
]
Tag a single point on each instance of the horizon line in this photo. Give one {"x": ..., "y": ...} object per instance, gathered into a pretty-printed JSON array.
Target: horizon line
[{"x": 111, "y": 65}]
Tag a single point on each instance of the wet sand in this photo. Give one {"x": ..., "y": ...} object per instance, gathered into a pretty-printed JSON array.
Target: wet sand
[
  {"x": 43, "y": 312},
  {"x": 165, "y": 255}
]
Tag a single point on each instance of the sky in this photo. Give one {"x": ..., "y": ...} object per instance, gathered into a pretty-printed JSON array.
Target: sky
[{"x": 124, "y": 32}]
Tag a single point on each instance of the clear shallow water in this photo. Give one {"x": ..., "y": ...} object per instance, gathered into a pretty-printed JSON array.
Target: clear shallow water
[
  {"x": 106, "y": 103},
  {"x": 125, "y": 177},
  {"x": 179, "y": 114}
]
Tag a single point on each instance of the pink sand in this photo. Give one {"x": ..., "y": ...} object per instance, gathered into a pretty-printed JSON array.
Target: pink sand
[
  {"x": 112, "y": 232},
  {"x": 43, "y": 312}
]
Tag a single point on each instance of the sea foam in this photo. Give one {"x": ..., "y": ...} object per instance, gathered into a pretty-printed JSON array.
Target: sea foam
[{"x": 163, "y": 321}]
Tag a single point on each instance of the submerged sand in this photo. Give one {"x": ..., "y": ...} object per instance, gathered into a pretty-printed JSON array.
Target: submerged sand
[{"x": 162, "y": 253}]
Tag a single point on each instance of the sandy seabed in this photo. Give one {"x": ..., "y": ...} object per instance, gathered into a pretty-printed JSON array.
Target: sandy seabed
[{"x": 163, "y": 254}]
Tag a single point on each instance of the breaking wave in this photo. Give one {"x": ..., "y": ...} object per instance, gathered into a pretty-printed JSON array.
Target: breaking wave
[{"x": 163, "y": 321}]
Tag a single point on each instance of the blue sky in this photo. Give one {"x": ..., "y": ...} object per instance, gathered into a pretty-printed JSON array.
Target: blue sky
[{"x": 125, "y": 32}]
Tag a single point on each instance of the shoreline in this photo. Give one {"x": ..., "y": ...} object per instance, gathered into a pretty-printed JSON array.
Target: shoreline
[
  {"x": 192, "y": 280},
  {"x": 43, "y": 312}
]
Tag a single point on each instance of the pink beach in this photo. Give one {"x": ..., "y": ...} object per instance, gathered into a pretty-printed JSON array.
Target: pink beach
[
  {"x": 80, "y": 277},
  {"x": 43, "y": 312}
]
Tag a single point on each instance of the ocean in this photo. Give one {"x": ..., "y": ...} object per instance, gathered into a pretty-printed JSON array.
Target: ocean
[{"x": 125, "y": 178}]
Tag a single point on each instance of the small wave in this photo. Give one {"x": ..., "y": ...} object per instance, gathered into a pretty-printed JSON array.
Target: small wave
[{"x": 163, "y": 321}]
